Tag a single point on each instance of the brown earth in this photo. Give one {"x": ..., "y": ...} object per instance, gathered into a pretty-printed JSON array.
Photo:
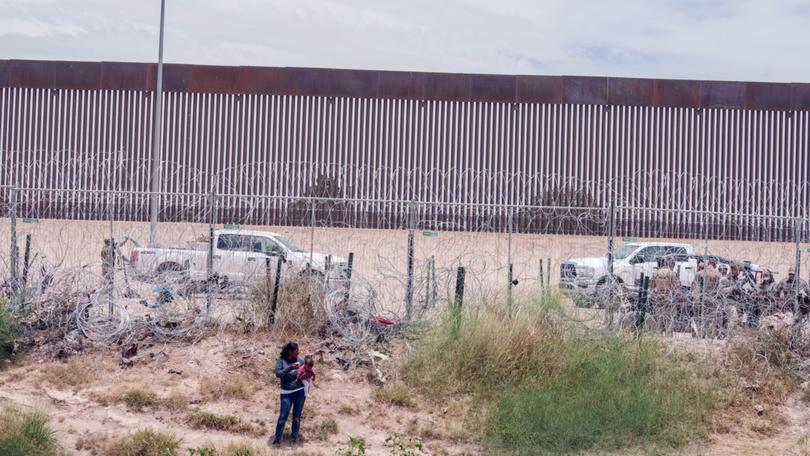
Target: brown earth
[{"x": 81, "y": 397}]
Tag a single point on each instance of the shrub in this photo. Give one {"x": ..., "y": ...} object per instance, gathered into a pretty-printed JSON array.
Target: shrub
[
  {"x": 356, "y": 447},
  {"x": 9, "y": 334},
  {"x": 200, "y": 419},
  {"x": 609, "y": 393},
  {"x": 484, "y": 352},
  {"x": 398, "y": 395},
  {"x": 139, "y": 398},
  {"x": 147, "y": 443},
  {"x": 231, "y": 450},
  {"x": 546, "y": 385},
  {"x": 25, "y": 434}
]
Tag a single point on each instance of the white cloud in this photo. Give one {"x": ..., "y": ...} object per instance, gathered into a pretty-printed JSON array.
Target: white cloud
[
  {"x": 702, "y": 39},
  {"x": 33, "y": 28}
]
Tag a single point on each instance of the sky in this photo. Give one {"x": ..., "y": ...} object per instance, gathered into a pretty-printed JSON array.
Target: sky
[{"x": 748, "y": 40}]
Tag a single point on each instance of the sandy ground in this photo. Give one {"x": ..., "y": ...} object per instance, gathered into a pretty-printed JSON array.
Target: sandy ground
[
  {"x": 86, "y": 418},
  {"x": 347, "y": 397},
  {"x": 79, "y": 416},
  {"x": 380, "y": 255}
]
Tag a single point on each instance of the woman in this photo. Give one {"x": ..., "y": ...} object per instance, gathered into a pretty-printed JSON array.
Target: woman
[{"x": 292, "y": 393}]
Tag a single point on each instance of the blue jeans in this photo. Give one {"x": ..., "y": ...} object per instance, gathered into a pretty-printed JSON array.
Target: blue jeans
[{"x": 294, "y": 401}]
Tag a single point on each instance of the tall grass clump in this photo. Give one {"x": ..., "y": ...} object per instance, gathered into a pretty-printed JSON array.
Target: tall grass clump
[
  {"x": 9, "y": 334},
  {"x": 146, "y": 443},
  {"x": 547, "y": 385},
  {"x": 25, "y": 434},
  {"x": 482, "y": 352}
]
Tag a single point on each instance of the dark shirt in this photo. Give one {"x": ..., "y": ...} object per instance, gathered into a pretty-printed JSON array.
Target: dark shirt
[{"x": 287, "y": 374}]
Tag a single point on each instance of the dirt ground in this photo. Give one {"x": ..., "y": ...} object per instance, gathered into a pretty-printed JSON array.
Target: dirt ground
[
  {"x": 81, "y": 398},
  {"x": 380, "y": 255},
  {"x": 230, "y": 374}
]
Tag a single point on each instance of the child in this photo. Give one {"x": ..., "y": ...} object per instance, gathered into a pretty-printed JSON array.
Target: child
[{"x": 306, "y": 374}]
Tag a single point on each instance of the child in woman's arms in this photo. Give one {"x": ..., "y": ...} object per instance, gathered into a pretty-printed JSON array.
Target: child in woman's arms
[{"x": 306, "y": 374}]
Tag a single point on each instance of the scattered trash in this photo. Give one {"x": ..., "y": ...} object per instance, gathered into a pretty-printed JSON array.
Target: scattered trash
[
  {"x": 175, "y": 371},
  {"x": 759, "y": 409},
  {"x": 343, "y": 363}
]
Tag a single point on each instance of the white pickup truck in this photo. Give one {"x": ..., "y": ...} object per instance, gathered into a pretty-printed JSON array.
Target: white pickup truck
[
  {"x": 239, "y": 257},
  {"x": 630, "y": 261}
]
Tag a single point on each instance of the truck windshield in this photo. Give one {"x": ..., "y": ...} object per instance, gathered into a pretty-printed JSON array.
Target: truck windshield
[
  {"x": 624, "y": 251},
  {"x": 287, "y": 244}
]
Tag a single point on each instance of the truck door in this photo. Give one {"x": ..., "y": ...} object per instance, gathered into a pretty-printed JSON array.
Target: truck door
[
  {"x": 255, "y": 265},
  {"x": 646, "y": 262},
  {"x": 230, "y": 259}
]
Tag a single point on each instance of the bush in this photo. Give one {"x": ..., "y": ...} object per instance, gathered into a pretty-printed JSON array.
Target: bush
[
  {"x": 147, "y": 443},
  {"x": 484, "y": 352},
  {"x": 9, "y": 334},
  {"x": 25, "y": 434},
  {"x": 546, "y": 385},
  {"x": 609, "y": 393},
  {"x": 200, "y": 419},
  {"x": 139, "y": 398},
  {"x": 398, "y": 395}
]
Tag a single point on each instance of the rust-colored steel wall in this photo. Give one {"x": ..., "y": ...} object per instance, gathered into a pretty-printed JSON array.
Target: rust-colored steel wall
[{"x": 470, "y": 145}]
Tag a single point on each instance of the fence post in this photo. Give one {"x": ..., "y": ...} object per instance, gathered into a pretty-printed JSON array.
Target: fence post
[
  {"x": 113, "y": 247},
  {"x": 13, "y": 251},
  {"x": 26, "y": 260},
  {"x": 433, "y": 285},
  {"x": 276, "y": 287},
  {"x": 611, "y": 280},
  {"x": 326, "y": 267},
  {"x": 409, "y": 284},
  {"x": 210, "y": 260},
  {"x": 541, "y": 273},
  {"x": 548, "y": 272},
  {"x": 798, "y": 236},
  {"x": 459, "y": 300},
  {"x": 702, "y": 327},
  {"x": 509, "y": 264},
  {"x": 642, "y": 304},
  {"x": 311, "y": 236},
  {"x": 349, "y": 267}
]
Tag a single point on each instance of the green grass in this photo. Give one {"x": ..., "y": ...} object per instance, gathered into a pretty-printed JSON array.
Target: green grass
[
  {"x": 545, "y": 385},
  {"x": 147, "y": 443},
  {"x": 484, "y": 352},
  {"x": 25, "y": 434},
  {"x": 9, "y": 334},
  {"x": 610, "y": 393},
  {"x": 200, "y": 419}
]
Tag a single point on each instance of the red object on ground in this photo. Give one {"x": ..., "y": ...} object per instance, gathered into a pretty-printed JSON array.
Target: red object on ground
[{"x": 382, "y": 321}]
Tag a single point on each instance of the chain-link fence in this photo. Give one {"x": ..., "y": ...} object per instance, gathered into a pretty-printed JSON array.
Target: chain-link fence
[{"x": 355, "y": 263}]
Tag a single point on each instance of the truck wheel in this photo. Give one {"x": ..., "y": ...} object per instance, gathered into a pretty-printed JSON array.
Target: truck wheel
[{"x": 170, "y": 273}]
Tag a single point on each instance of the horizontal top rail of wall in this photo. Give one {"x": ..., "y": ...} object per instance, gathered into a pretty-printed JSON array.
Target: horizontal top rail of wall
[{"x": 406, "y": 85}]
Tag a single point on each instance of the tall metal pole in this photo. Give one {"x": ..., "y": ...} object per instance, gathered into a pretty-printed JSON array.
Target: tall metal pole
[
  {"x": 798, "y": 275},
  {"x": 14, "y": 249},
  {"x": 157, "y": 138}
]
